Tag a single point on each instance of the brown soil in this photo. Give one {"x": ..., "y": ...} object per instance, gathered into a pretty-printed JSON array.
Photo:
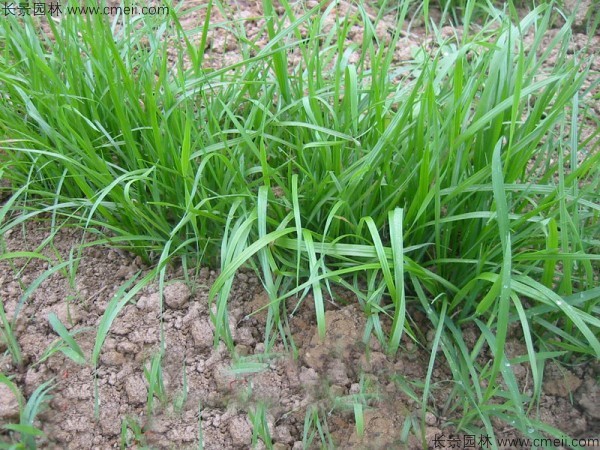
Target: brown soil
[
  {"x": 324, "y": 376},
  {"x": 205, "y": 389}
]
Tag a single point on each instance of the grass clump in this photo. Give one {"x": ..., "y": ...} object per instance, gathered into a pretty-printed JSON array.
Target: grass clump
[
  {"x": 448, "y": 184},
  {"x": 26, "y": 432}
]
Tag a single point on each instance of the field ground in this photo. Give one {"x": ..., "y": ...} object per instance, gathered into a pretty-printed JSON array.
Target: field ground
[{"x": 324, "y": 376}]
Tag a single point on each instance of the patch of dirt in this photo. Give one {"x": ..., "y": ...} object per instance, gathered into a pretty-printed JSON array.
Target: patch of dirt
[{"x": 202, "y": 390}]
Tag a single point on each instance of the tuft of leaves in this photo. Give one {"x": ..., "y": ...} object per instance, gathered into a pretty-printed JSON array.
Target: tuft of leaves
[{"x": 449, "y": 183}]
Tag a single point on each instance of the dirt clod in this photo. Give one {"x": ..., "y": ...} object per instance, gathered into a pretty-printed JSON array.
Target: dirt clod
[
  {"x": 112, "y": 358},
  {"x": 203, "y": 333},
  {"x": 149, "y": 302},
  {"x": 560, "y": 382},
  {"x": 136, "y": 389},
  {"x": 589, "y": 398},
  {"x": 240, "y": 431},
  {"x": 177, "y": 295},
  {"x": 9, "y": 404}
]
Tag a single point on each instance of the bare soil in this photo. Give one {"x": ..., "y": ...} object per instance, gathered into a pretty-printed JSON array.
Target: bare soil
[{"x": 324, "y": 375}]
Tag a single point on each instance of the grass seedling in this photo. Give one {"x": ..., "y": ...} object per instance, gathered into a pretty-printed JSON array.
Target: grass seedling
[
  {"x": 28, "y": 411},
  {"x": 316, "y": 426},
  {"x": 8, "y": 337},
  {"x": 180, "y": 399},
  {"x": 260, "y": 428},
  {"x": 357, "y": 403},
  {"x": 156, "y": 387},
  {"x": 132, "y": 433},
  {"x": 69, "y": 346},
  {"x": 200, "y": 432}
]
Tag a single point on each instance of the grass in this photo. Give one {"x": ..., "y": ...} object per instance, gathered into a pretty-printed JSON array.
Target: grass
[
  {"x": 26, "y": 429},
  {"x": 448, "y": 184},
  {"x": 260, "y": 429},
  {"x": 8, "y": 337}
]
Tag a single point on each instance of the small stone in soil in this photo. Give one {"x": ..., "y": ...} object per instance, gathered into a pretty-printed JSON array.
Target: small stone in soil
[{"x": 430, "y": 418}]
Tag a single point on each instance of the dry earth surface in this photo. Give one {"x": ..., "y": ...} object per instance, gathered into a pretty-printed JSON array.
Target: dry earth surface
[
  {"x": 324, "y": 375},
  {"x": 203, "y": 393}
]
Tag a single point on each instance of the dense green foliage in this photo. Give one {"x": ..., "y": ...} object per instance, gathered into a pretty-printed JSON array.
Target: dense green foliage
[{"x": 455, "y": 183}]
